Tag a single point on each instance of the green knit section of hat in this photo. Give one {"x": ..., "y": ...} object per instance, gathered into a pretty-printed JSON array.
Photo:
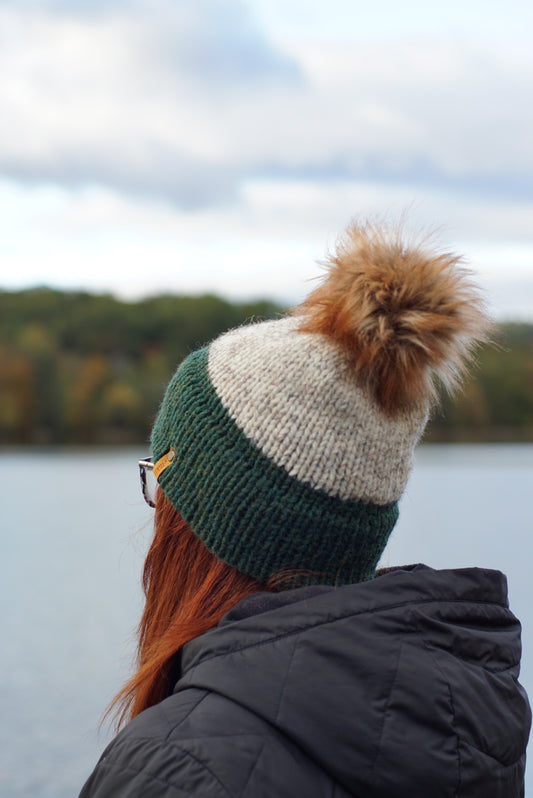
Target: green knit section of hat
[{"x": 247, "y": 510}]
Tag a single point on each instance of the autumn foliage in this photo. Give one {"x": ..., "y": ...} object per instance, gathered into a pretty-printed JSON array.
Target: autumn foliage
[{"x": 81, "y": 368}]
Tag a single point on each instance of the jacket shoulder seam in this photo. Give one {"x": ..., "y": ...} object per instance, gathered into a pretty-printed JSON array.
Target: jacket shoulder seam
[
  {"x": 454, "y": 724},
  {"x": 385, "y": 713},
  {"x": 173, "y": 726},
  {"x": 155, "y": 779}
]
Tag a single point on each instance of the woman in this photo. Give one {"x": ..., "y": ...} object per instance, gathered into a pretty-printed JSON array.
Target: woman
[{"x": 273, "y": 661}]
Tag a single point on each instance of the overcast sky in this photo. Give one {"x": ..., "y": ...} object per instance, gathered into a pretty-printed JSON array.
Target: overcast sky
[{"x": 220, "y": 145}]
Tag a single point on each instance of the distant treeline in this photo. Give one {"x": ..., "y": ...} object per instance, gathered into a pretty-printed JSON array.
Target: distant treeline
[{"x": 82, "y": 368}]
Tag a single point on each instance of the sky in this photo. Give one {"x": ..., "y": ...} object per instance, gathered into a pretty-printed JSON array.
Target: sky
[{"x": 221, "y": 146}]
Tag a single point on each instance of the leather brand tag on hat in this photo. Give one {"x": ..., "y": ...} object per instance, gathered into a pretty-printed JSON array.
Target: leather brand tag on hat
[{"x": 164, "y": 462}]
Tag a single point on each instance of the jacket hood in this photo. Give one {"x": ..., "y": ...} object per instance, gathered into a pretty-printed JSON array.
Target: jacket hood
[{"x": 410, "y": 678}]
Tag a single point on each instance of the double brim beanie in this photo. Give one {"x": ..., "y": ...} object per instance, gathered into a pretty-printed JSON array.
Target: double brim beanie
[{"x": 286, "y": 445}]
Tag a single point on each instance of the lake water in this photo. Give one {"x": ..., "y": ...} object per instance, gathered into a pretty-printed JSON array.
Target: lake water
[{"x": 73, "y": 536}]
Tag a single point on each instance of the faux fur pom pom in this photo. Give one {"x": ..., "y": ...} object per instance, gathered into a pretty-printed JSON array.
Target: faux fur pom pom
[{"x": 407, "y": 317}]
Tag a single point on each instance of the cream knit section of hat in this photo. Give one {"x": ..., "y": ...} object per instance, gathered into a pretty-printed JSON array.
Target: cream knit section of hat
[{"x": 294, "y": 395}]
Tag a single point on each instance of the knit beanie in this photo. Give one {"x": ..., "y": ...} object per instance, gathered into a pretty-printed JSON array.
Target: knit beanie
[{"x": 286, "y": 445}]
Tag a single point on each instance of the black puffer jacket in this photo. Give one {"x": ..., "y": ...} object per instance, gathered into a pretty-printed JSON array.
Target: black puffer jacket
[{"x": 403, "y": 686}]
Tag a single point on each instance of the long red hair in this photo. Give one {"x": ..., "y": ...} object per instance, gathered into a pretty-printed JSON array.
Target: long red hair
[{"x": 188, "y": 590}]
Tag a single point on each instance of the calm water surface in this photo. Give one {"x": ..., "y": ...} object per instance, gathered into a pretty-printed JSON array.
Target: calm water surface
[{"x": 73, "y": 536}]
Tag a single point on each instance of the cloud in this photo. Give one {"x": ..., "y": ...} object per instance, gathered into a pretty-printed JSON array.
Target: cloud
[
  {"x": 417, "y": 112},
  {"x": 81, "y": 8},
  {"x": 130, "y": 100},
  {"x": 216, "y": 45},
  {"x": 186, "y": 101},
  {"x": 174, "y": 177},
  {"x": 268, "y": 244}
]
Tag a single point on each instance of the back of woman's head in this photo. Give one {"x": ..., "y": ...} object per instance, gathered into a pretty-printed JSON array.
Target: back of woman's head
[
  {"x": 282, "y": 449},
  {"x": 287, "y": 444}
]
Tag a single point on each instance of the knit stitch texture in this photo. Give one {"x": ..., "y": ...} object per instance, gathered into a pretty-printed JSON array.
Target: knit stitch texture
[{"x": 248, "y": 510}]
